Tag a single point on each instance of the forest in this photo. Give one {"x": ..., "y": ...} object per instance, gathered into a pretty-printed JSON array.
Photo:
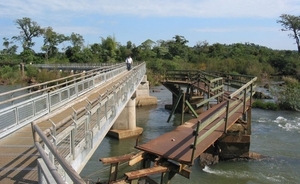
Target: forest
[{"x": 160, "y": 55}]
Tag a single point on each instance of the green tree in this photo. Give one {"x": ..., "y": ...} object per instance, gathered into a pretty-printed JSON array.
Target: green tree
[
  {"x": 76, "y": 40},
  {"x": 27, "y": 55},
  {"x": 73, "y": 52},
  {"x": 8, "y": 48},
  {"x": 146, "y": 49},
  {"x": 178, "y": 47},
  {"x": 51, "y": 41},
  {"x": 28, "y": 30},
  {"x": 291, "y": 23},
  {"x": 96, "y": 51},
  {"x": 109, "y": 46}
]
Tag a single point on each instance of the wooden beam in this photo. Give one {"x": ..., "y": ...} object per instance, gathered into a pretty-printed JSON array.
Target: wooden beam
[
  {"x": 110, "y": 160},
  {"x": 145, "y": 172},
  {"x": 136, "y": 158}
]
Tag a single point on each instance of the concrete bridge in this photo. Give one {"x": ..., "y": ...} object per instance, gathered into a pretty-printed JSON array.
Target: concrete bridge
[{"x": 49, "y": 134}]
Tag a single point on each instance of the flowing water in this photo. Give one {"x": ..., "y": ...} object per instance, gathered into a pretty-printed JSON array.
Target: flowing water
[{"x": 275, "y": 134}]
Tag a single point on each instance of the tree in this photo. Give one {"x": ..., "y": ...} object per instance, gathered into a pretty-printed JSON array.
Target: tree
[
  {"x": 109, "y": 46},
  {"x": 146, "y": 49},
  {"x": 29, "y": 30},
  {"x": 291, "y": 23},
  {"x": 51, "y": 41},
  {"x": 178, "y": 47},
  {"x": 76, "y": 40},
  {"x": 73, "y": 53},
  {"x": 8, "y": 48}
]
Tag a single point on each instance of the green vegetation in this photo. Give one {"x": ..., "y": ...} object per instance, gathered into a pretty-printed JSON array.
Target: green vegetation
[
  {"x": 162, "y": 55},
  {"x": 288, "y": 95},
  {"x": 265, "y": 105}
]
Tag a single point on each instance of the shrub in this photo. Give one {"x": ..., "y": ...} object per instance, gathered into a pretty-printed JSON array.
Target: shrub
[{"x": 265, "y": 105}]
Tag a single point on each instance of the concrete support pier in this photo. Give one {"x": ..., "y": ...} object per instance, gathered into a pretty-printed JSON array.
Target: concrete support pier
[{"x": 125, "y": 125}]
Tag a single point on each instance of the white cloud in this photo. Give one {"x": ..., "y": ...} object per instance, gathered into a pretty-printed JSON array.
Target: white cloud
[
  {"x": 235, "y": 29},
  {"x": 188, "y": 8},
  {"x": 89, "y": 17}
]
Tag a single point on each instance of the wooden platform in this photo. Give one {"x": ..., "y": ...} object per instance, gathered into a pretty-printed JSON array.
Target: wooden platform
[{"x": 176, "y": 145}]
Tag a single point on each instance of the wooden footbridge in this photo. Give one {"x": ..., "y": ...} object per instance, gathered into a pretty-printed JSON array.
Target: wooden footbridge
[{"x": 223, "y": 100}]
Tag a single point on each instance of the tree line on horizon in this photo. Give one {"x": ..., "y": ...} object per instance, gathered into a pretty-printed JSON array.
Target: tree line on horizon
[
  {"x": 237, "y": 58},
  {"x": 240, "y": 58}
]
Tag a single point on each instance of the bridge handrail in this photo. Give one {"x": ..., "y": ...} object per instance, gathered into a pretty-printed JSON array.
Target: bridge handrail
[
  {"x": 213, "y": 83},
  {"x": 248, "y": 84},
  {"x": 23, "y": 112},
  {"x": 49, "y": 84},
  {"x": 72, "y": 64},
  {"x": 57, "y": 177},
  {"x": 82, "y": 126},
  {"x": 235, "y": 101}
]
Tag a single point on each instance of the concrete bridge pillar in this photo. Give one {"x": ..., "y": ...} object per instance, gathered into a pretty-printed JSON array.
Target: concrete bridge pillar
[
  {"x": 125, "y": 125},
  {"x": 127, "y": 118}
]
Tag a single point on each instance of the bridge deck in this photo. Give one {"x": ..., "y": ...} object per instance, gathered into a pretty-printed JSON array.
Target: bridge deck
[
  {"x": 176, "y": 145},
  {"x": 18, "y": 157}
]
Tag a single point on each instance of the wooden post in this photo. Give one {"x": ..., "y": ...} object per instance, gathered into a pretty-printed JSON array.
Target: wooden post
[
  {"x": 194, "y": 145},
  {"x": 208, "y": 96},
  {"x": 183, "y": 108},
  {"x": 249, "y": 119},
  {"x": 175, "y": 105},
  {"x": 244, "y": 104},
  {"x": 227, "y": 114},
  {"x": 113, "y": 173},
  {"x": 249, "y": 112},
  {"x": 165, "y": 178}
]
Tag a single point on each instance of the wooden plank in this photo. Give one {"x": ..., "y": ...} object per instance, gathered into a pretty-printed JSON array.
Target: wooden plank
[
  {"x": 145, "y": 172},
  {"x": 110, "y": 160},
  {"x": 136, "y": 158}
]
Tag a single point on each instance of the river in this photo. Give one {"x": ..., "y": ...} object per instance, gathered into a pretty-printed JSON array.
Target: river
[{"x": 275, "y": 134}]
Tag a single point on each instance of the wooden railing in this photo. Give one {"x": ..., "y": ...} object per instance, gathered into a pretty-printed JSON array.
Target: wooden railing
[{"x": 236, "y": 101}]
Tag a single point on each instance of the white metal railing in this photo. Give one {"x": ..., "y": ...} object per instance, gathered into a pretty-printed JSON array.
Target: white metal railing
[
  {"x": 22, "y": 106},
  {"x": 82, "y": 131}
]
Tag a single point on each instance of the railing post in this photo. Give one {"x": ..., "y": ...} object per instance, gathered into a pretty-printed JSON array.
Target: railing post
[
  {"x": 194, "y": 145},
  {"x": 249, "y": 113},
  {"x": 73, "y": 133},
  {"x": 244, "y": 104},
  {"x": 88, "y": 137},
  {"x": 208, "y": 95},
  {"x": 227, "y": 114},
  {"x": 182, "y": 108},
  {"x": 72, "y": 142}
]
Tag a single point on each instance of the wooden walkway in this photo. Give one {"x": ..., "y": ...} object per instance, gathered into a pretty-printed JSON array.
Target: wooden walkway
[
  {"x": 174, "y": 152},
  {"x": 176, "y": 145},
  {"x": 230, "y": 107}
]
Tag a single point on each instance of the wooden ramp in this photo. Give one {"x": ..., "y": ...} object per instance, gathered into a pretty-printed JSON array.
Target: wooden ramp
[{"x": 176, "y": 145}]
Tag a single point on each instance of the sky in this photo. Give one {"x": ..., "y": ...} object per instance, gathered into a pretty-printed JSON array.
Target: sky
[{"x": 213, "y": 21}]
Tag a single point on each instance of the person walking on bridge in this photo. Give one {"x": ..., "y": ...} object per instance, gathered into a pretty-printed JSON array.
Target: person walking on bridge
[{"x": 129, "y": 62}]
